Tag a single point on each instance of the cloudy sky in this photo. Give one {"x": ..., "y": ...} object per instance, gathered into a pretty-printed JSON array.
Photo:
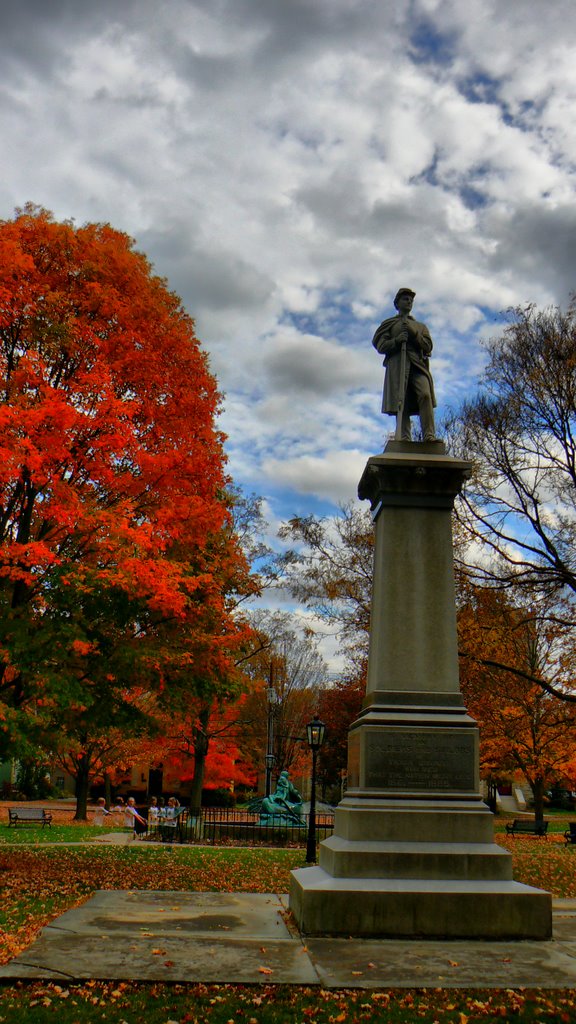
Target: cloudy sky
[{"x": 287, "y": 165}]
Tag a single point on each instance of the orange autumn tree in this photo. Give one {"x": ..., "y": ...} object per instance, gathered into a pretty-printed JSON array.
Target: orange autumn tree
[
  {"x": 505, "y": 650},
  {"x": 99, "y": 754},
  {"x": 204, "y": 748},
  {"x": 204, "y": 688},
  {"x": 111, "y": 477},
  {"x": 196, "y": 713}
]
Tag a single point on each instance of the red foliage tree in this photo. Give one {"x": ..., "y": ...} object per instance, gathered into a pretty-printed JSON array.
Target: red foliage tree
[
  {"x": 111, "y": 475},
  {"x": 204, "y": 747}
]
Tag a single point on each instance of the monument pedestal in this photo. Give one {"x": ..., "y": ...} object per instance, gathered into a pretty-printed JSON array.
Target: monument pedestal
[{"x": 413, "y": 850}]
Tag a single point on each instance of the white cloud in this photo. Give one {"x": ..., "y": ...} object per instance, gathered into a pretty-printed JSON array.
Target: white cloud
[
  {"x": 313, "y": 367},
  {"x": 287, "y": 165},
  {"x": 334, "y": 476}
]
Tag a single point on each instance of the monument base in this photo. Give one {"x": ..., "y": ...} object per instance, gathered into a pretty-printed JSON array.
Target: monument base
[
  {"x": 419, "y": 867},
  {"x": 413, "y": 852},
  {"x": 417, "y": 908}
]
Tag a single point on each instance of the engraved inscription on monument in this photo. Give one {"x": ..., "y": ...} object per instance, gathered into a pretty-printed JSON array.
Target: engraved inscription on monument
[{"x": 430, "y": 759}]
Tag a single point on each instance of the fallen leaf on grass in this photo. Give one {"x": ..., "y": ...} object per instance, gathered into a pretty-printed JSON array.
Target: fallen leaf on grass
[
  {"x": 159, "y": 952},
  {"x": 62, "y": 992},
  {"x": 265, "y": 970}
]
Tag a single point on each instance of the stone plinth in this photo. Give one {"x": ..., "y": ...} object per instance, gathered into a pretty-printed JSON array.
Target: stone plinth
[
  {"x": 412, "y": 908},
  {"x": 413, "y": 851}
]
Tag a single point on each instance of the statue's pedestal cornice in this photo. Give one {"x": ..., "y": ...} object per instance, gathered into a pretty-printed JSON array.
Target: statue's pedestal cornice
[{"x": 413, "y": 474}]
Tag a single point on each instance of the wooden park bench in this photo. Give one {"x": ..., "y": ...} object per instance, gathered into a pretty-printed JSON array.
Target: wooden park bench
[
  {"x": 527, "y": 826},
  {"x": 28, "y": 815},
  {"x": 570, "y": 833}
]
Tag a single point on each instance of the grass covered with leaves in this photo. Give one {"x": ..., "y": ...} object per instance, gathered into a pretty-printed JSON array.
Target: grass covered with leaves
[
  {"x": 40, "y": 883},
  {"x": 544, "y": 863},
  {"x": 124, "y": 1003}
]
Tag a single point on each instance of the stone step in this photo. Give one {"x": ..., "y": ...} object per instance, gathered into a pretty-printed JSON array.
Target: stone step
[
  {"x": 414, "y": 821},
  {"x": 429, "y": 908},
  {"x": 365, "y": 859}
]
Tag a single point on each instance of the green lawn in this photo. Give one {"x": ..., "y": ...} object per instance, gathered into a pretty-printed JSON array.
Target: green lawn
[
  {"x": 34, "y": 835},
  {"x": 40, "y": 882}
]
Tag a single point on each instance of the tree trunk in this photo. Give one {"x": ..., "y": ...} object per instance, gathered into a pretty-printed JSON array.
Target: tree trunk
[
  {"x": 200, "y": 751},
  {"x": 107, "y": 791},
  {"x": 82, "y": 784},
  {"x": 538, "y": 790}
]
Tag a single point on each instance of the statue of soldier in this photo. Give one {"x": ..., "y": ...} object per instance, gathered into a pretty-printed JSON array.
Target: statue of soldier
[{"x": 408, "y": 386}]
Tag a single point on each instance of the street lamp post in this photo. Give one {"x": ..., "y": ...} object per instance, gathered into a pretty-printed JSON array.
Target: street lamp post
[
  {"x": 315, "y": 734},
  {"x": 270, "y": 759}
]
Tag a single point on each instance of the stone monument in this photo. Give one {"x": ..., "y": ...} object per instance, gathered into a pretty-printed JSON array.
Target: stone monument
[{"x": 413, "y": 851}]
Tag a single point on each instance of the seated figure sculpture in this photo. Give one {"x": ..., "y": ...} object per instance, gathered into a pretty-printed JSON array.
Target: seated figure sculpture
[{"x": 283, "y": 806}]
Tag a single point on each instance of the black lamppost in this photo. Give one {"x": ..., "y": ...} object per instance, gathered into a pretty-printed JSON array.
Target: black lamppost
[
  {"x": 270, "y": 759},
  {"x": 315, "y": 734}
]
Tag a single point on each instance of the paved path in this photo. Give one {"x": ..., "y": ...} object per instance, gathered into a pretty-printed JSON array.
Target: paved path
[{"x": 248, "y": 938}]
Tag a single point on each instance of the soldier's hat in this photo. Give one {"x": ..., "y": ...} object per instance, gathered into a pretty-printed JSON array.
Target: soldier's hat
[{"x": 403, "y": 291}]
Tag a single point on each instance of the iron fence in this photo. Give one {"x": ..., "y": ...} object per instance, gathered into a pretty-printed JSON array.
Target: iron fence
[{"x": 225, "y": 827}]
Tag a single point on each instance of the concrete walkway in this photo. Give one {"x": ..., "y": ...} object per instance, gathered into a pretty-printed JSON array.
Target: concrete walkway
[{"x": 248, "y": 938}]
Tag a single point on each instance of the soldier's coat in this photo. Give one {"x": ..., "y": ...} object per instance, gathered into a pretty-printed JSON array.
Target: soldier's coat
[{"x": 418, "y": 349}]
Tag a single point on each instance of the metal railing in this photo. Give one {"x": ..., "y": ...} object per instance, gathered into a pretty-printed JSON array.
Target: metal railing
[{"x": 218, "y": 826}]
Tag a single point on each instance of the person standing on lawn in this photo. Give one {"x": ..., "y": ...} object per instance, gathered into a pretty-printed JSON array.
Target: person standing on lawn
[
  {"x": 133, "y": 819},
  {"x": 100, "y": 814}
]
